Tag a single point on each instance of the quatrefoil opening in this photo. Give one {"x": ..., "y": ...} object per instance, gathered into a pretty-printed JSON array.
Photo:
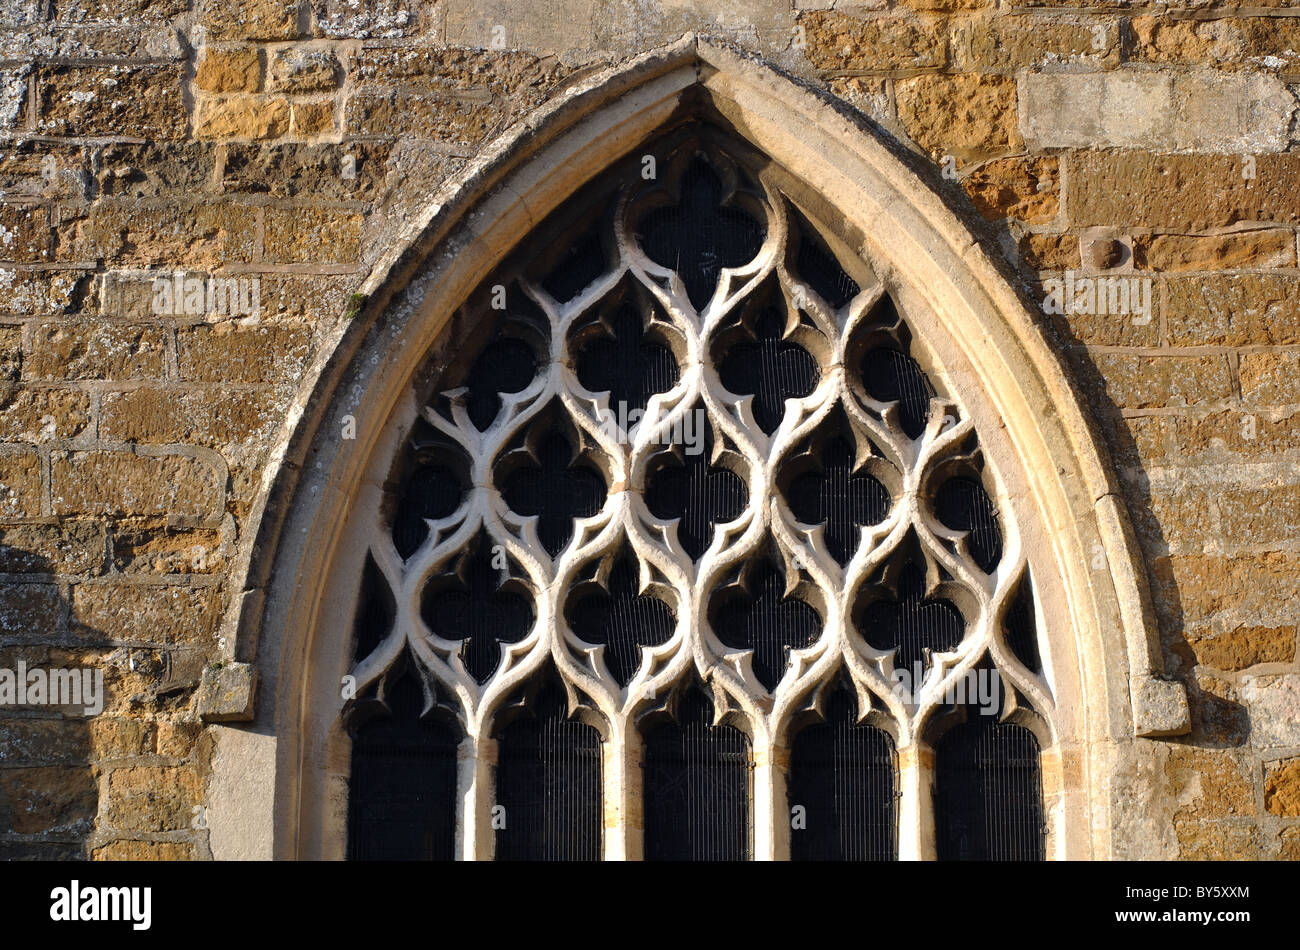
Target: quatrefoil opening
[
  {"x": 902, "y": 612},
  {"x": 618, "y": 615},
  {"x": 757, "y": 614},
  {"x": 482, "y": 603},
  {"x": 432, "y": 487},
  {"x": 623, "y": 351},
  {"x": 765, "y": 355},
  {"x": 690, "y": 488},
  {"x": 546, "y": 475},
  {"x": 706, "y": 230},
  {"x": 831, "y": 480}
]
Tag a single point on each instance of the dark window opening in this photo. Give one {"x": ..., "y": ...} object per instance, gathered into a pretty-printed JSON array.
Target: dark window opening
[
  {"x": 697, "y": 785},
  {"x": 402, "y": 798},
  {"x": 842, "y": 788},
  {"x": 548, "y": 784},
  {"x": 988, "y": 793}
]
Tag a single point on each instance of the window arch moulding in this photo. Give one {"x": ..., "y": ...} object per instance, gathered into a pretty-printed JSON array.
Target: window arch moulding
[{"x": 281, "y": 779}]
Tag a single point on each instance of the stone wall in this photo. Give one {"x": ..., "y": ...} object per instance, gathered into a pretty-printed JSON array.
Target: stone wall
[{"x": 289, "y": 143}]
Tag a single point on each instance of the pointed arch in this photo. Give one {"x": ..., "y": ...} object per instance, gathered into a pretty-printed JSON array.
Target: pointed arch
[{"x": 289, "y": 622}]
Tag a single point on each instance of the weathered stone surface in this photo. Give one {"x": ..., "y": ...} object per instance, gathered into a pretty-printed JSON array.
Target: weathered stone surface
[
  {"x": 837, "y": 42},
  {"x": 227, "y": 692},
  {"x": 1209, "y": 784},
  {"x": 1232, "y": 310},
  {"x": 1244, "y": 647},
  {"x": 1274, "y": 703},
  {"x": 164, "y": 237},
  {"x": 1270, "y": 379},
  {"x": 1195, "y": 252},
  {"x": 1135, "y": 382},
  {"x": 122, "y": 483},
  {"x": 169, "y": 551},
  {"x": 128, "y": 850},
  {"x": 299, "y": 235},
  {"x": 249, "y": 19},
  {"x": 228, "y": 353},
  {"x": 1005, "y": 44},
  {"x": 54, "y": 798},
  {"x": 1231, "y": 42},
  {"x": 71, "y": 547},
  {"x": 152, "y": 798},
  {"x": 969, "y": 117},
  {"x": 118, "y": 101},
  {"x": 242, "y": 118},
  {"x": 511, "y": 73},
  {"x": 292, "y": 169},
  {"x": 40, "y": 415},
  {"x": 1025, "y": 189},
  {"x": 230, "y": 70},
  {"x": 565, "y": 26},
  {"x": 95, "y": 351},
  {"x": 194, "y": 416},
  {"x": 1282, "y": 788},
  {"x": 299, "y": 69},
  {"x": 24, "y": 233},
  {"x": 1049, "y": 251},
  {"x": 20, "y": 485},
  {"x": 377, "y": 19},
  {"x": 40, "y": 292},
  {"x": 1245, "y": 433},
  {"x": 1173, "y": 111},
  {"x": 452, "y": 120},
  {"x": 1148, "y": 190},
  {"x": 144, "y": 613},
  {"x": 309, "y": 119},
  {"x": 43, "y": 742}
]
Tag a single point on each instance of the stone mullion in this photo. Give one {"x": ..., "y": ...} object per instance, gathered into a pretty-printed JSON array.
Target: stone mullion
[
  {"x": 916, "y": 803},
  {"x": 475, "y": 789}
]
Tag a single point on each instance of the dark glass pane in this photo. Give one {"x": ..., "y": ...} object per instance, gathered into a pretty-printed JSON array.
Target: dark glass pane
[
  {"x": 700, "y": 236},
  {"x": 893, "y": 376},
  {"x": 549, "y": 785},
  {"x": 375, "y": 612},
  {"x": 1022, "y": 632},
  {"x": 962, "y": 504},
  {"x": 402, "y": 796},
  {"x": 471, "y": 605},
  {"x": 761, "y": 618},
  {"x": 558, "y": 489},
  {"x": 842, "y": 773},
  {"x": 816, "y": 265},
  {"x": 838, "y": 498},
  {"x": 623, "y": 620},
  {"x": 506, "y": 366},
  {"x": 577, "y": 269},
  {"x": 988, "y": 793},
  {"x": 771, "y": 369},
  {"x": 696, "y": 788},
  {"x": 700, "y": 494},
  {"x": 627, "y": 366},
  {"x": 432, "y": 491},
  {"x": 913, "y": 623}
]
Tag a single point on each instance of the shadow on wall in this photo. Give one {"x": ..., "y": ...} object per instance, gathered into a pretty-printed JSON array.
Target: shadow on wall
[{"x": 71, "y": 730}]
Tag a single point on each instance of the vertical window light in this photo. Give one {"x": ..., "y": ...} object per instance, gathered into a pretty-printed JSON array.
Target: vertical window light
[
  {"x": 548, "y": 801},
  {"x": 402, "y": 804},
  {"x": 697, "y": 785},
  {"x": 988, "y": 793},
  {"x": 842, "y": 781}
]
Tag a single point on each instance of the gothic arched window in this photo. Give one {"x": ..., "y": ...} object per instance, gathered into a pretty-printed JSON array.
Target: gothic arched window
[{"x": 687, "y": 468}]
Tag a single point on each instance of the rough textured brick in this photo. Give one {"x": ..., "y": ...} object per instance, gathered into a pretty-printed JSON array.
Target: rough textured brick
[
  {"x": 1006, "y": 44},
  {"x": 122, "y": 483},
  {"x": 192, "y": 417},
  {"x": 838, "y": 42},
  {"x": 1131, "y": 109},
  {"x": 54, "y": 798},
  {"x": 1270, "y": 379},
  {"x": 95, "y": 351},
  {"x": 249, "y": 19},
  {"x": 121, "y": 101},
  {"x": 1232, "y": 311},
  {"x": 230, "y": 70},
  {"x": 127, "y": 850},
  {"x": 1136, "y": 382},
  {"x": 152, "y": 798},
  {"x": 970, "y": 117},
  {"x": 1243, "y": 647},
  {"x": 1282, "y": 788},
  {"x": 454, "y": 120},
  {"x": 303, "y": 69},
  {"x": 70, "y": 547}
]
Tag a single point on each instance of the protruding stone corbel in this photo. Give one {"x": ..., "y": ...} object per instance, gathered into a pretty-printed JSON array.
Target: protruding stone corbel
[
  {"x": 1159, "y": 707},
  {"x": 226, "y": 692}
]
